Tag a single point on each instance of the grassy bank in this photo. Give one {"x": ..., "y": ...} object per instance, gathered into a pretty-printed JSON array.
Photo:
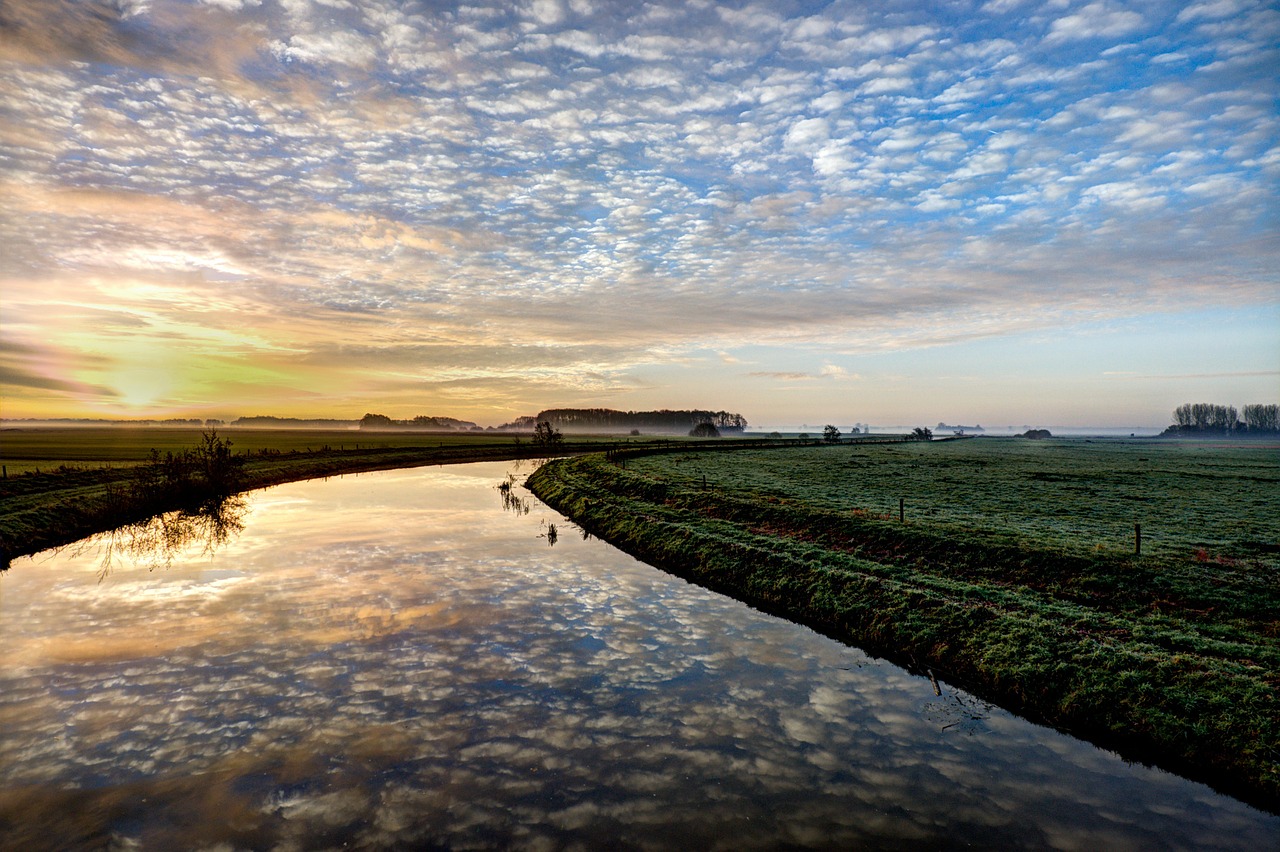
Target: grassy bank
[{"x": 1172, "y": 658}]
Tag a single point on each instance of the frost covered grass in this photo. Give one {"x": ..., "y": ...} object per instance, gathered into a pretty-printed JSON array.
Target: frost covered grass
[{"x": 1216, "y": 501}]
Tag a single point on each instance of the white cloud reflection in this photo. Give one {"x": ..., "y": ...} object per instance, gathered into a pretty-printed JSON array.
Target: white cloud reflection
[{"x": 390, "y": 661}]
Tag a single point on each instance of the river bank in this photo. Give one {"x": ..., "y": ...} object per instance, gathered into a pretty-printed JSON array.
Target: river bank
[
  {"x": 61, "y": 485},
  {"x": 404, "y": 660},
  {"x": 56, "y": 507},
  {"x": 1169, "y": 663}
]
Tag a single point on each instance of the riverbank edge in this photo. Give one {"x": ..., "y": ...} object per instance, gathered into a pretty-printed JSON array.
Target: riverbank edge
[
  {"x": 63, "y": 505},
  {"x": 76, "y": 503},
  {"x": 931, "y": 635}
]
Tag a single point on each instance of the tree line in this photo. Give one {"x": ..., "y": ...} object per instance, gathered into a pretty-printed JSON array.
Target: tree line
[
  {"x": 664, "y": 420},
  {"x": 1207, "y": 417},
  {"x": 420, "y": 423}
]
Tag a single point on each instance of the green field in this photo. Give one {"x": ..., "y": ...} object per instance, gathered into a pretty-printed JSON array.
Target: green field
[
  {"x": 1217, "y": 501},
  {"x": 1013, "y": 574},
  {"x": 43, "y": 449}
]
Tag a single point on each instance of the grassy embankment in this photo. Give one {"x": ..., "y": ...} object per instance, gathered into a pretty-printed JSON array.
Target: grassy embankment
[
  {"x": 1012, "y": 576},
  {"x": 61, "y": 485}
]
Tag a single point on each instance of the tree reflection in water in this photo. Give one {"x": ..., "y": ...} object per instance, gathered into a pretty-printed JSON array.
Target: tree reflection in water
[
  {"x": 511, "y": 501},
  {"x": 157, "y": 541}
]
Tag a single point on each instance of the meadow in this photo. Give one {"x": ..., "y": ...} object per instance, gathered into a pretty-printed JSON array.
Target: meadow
[
  {"x": 1012, "y": 574},
  {"x": 43, "y": 449},
  {"x": 1214, "y": 501}
]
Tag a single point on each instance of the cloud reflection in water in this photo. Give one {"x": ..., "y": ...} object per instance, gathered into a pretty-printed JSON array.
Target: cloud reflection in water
[{"x": 392, "y": 660}]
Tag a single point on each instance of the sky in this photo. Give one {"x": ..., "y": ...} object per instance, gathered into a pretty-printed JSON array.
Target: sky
[{"x": 1019, "y": 213}]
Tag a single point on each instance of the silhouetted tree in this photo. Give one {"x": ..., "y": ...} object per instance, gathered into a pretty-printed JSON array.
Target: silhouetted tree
[
  {"x": 221, "y": 469},
  {"x": 830, "y": 434},
  {"x": 1262, "y": 418},
  {"x": 546, "y": 437},
  {"x": 1206, "y": 417},
  {"x": 922, "y": 433},
  {"x": 704, "y": 430}
]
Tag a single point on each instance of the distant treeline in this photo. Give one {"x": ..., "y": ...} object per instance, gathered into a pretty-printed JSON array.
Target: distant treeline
[
  {"x": 170, "y": 423},
  {"x": 420, "y": 423},
  {"x": 610, "y": 420},
  {"x": 943, "y": 427},
  {"x": 268, "y": 422},
  {"x": 1205, "y": 418}
]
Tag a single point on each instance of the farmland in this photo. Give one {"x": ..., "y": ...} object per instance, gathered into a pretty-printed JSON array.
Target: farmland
[
  {"x": 31, "y": 450},
  {"x": 1012, "y": 573},
  {"x": 1219, "y": 501}
]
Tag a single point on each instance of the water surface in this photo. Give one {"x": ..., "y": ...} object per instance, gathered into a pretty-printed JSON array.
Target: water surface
[{"x": 395, "y": 660}]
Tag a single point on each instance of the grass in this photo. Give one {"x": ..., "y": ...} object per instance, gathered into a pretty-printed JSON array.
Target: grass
[
  {"x": 1073, "y": 494},
  {"x": 44, "y": 449},
  {"x": 1013, "y": 574}
]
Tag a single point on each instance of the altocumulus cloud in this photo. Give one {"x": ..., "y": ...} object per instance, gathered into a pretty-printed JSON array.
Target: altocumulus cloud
[{"x": 596, "y": 185}]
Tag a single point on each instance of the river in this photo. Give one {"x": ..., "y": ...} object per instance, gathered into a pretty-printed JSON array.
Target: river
[{"x": 413, "y": 659}]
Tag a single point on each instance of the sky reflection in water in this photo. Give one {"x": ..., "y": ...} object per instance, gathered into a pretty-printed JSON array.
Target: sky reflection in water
[{"x": 393, "y": 660}]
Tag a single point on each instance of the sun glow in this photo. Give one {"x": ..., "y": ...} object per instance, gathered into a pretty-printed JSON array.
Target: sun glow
[{"x": 140, "y": 386}]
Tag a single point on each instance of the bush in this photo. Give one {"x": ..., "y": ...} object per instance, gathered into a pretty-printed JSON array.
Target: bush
[
  {"x": 209, "y": 471},
  {"x": 704, "y": 430}
]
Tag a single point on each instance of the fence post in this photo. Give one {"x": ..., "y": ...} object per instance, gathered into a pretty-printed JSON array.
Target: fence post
[
  {"x": 1137, "y": 539},
  {"x": 902, "y": 510}
]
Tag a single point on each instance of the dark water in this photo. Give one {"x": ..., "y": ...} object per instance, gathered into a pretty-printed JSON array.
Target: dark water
[{"x": 394, "y": 660}]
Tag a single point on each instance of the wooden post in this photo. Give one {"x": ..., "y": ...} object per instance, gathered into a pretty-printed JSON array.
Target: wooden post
[
  {"x": 5, "y": 468},
  {"x": 902, "y": 510},
  {"x": 1137, "y": 539}
]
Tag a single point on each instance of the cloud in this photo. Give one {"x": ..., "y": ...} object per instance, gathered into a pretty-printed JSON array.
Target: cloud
[
  {"x": 340, "y": 48},
  {"x": 668, "y": 178},
  {"x": 34, "y": 367},
  {"x": 827, "y": 371},
  {"x": 23, "y": 379},
  {"x": 1215, "y": 10},
  {"x": 781, "y": 374},
  {"x": 1094, "y": 21}
]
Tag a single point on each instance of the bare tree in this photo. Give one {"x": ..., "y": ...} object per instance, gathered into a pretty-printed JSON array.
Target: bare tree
[
  {"x": 1262, "y": 418},
  {"x": 546, "y": 437}
]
